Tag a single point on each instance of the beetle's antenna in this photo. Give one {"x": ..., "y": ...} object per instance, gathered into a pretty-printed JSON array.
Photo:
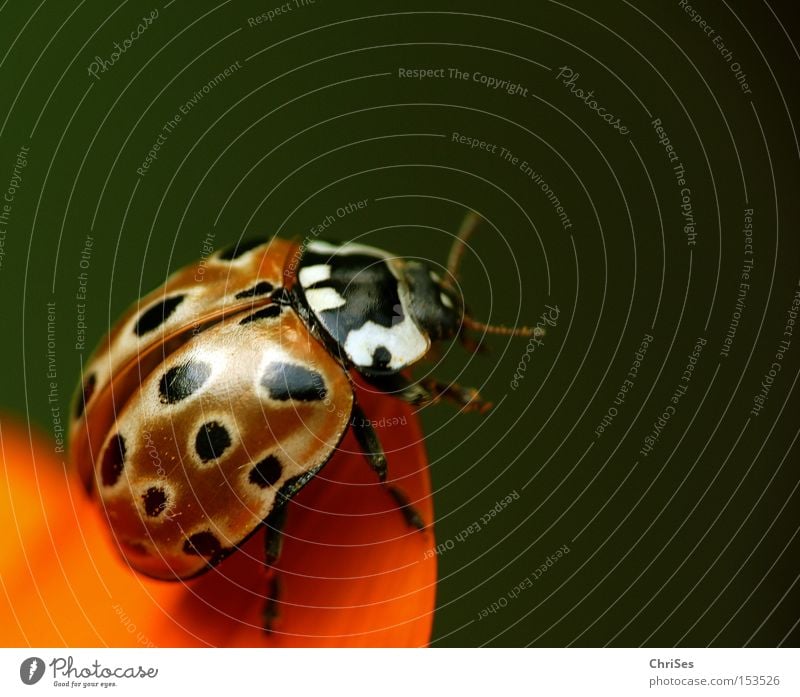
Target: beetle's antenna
[
  {"x": 470, "y": 224},
  {"x": 470, "y": 323}
]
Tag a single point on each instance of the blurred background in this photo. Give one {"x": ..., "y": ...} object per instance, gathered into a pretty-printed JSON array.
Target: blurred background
[{"x": 637, "y": 167}]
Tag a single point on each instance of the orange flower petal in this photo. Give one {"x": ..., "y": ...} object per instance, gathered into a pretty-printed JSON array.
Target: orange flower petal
[{"x": 353, "y": 573}]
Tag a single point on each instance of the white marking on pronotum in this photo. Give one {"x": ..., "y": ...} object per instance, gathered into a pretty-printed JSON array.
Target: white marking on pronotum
[
  {"x": 404, "y": 340},
  {"x": 320, "y": 247},
  {"x": 348, "y": 248},
  {"x": 445, "y": 300},
  {"x": 314, "y": 274},
  {"x": 405, "y": 343},
  {"x": 321, "y": 299}
]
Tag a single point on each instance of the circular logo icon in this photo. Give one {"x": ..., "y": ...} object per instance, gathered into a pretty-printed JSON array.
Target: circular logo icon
[{"x": 31, "y": 670}]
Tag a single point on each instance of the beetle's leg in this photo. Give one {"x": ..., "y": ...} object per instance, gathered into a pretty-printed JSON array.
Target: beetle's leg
[
  {"x": 467, "y": 398},
  {"x": 373, "y": 451},
  {"x": 410, "y": 513},
  {"x": 273, "y": 542},
  {"x": 398, "y": 386},
  {"x": 430, "y": 390},
  {"x": 368, "y": 440},
  {"x": 270, "y": 612}
]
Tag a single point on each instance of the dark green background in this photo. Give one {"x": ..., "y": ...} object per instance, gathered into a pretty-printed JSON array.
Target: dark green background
[{"x": 695, "y": 545}]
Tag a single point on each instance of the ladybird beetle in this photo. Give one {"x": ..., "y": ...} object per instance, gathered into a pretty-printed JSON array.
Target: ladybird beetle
[{"x": 216, "y": 397}]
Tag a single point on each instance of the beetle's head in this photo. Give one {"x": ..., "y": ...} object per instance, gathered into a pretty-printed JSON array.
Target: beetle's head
[
  {"x": 435, "y": 305},
  {"x": 439, "y": 308},
  {"x": 381, "y": 312}
]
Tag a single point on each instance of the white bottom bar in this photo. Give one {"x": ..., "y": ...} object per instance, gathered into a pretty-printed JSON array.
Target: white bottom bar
[{"x": 401, "y": 672}]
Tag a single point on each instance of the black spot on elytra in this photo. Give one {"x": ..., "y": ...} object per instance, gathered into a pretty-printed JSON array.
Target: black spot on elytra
[
  {"x": 381, "y": 357},
  {"x": 211, "y": 441},
  {"x": 260, "y": 288},
  {"x": 113, "y": 460},
  {"x": 86, "y": 395},
  {"x": 289, "y": 381},
  {"x": 156, "y": 315},
  {"x": 266, "y": 472},
  {"x": 264, "y": 313},
  {"x": 240, "y": 248},
  {"x": 155, "y": 501},
  {"x": 182, "y": 380},
  {"x": 204, "y": 544}
]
